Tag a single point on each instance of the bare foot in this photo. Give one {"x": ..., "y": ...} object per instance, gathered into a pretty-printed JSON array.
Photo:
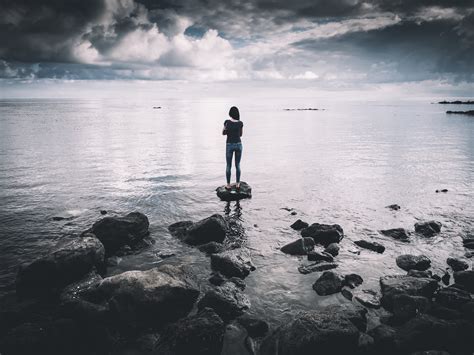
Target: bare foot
[{"x": 228, "y": 187}]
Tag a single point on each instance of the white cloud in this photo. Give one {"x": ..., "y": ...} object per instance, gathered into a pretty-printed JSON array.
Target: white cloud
[{"x": 307, "y": 75}]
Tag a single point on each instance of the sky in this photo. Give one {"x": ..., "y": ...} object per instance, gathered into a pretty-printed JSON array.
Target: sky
[{"x": 334, "y": 44}]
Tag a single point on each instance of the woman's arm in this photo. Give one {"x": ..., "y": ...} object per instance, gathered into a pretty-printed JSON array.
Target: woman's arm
[
  {"x": 224, "y": 131},
  {"x": 241, "y": 131}
]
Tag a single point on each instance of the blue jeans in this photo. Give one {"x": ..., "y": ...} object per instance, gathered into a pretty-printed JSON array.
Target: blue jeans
[{"x": 229, "y": 151}]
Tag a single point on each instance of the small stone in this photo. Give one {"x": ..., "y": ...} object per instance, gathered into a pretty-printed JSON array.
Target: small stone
[
  {"x": 299, "y": 224},
  {"x": 299, "y": 247},
  {"x": 293, "y": 213},
  {"x": 317, "y": 256},
  {"x": 396, "y": 233},
  {"x": 353, "y": 280},
  {"x": 332, "y": 249},
  {"x": 457, "y": 264},
  {"x": 103, "y": 212},
  {"x": 374, "y": 246},
  {"x": 393, "y": 207},
  {"x": 443, "y": 190},
  {"x": 329, "y": 283},
  {"x": 316, "y": 267}
]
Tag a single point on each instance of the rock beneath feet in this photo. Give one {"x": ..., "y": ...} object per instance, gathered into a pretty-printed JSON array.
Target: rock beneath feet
[
  {"x": 452, "y": 297},
  {"x": 316, "y": 267},
  {"x": 457, "y": 264},
  {"x": 317, "y": 256},
  {"x": 416, "y": 262},
  {"x": 394, "y": 285},
  {"x": 299, "y": 224},
  {"x": 201, "y": 334},
  {"x": 393, "y": 207},
  {"x": 465, "y": 279},
  {"x": 333, "y": 249},
  {"x": 328, "y": 283},
  {"x": 428, "y": 229},
  {"x": 396, "y": 233},
  {"x": 255, "y": 327},
  {"x": 236, "y": 262},
  {"x": 353, "y": 280},
  {"x": 226, "y": 300},
  {"x": 324, "y": 234},
  {"x": 299, "y": 247},
  {"x": 69, "y": 261},
  {"x": 234, "y": 194},
  {"x": 374, "y": 246},
  {"x": 211, "y": 248},
  {"x": 148, "y": 298}
]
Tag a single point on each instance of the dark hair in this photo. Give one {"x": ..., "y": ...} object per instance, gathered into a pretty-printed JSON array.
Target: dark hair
[{"x": 234, "y": 113}]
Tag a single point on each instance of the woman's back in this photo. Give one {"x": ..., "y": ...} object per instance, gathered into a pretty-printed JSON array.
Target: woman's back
[{"x": 233, "y": 130}]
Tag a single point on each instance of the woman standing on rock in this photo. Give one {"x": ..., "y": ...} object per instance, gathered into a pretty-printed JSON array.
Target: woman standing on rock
[{"x": 233, "y": 129}]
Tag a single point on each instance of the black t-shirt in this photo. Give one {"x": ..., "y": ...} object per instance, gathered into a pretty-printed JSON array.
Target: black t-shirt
[{"x": 233, "y": 130}]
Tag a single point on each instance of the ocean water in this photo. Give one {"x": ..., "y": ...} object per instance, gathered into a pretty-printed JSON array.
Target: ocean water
[{"x": 343, "y": 164}]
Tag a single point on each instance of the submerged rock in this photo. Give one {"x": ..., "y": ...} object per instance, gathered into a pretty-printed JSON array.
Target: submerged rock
[
  {"x": 328, "y": 283},
  {"x": 316, "y": 267},
  {"x": 333, "y": 249},
  {"x": 368, "y": 298},
  {"x": 394, "y": 285},
  {"x": 457, "y": 264},
  {"x": 116, "y": 232},
  {"x": 231, "y": 263},
  {"x": 255, "y": 327},
  {"x": 68, "y": 261},
  {"x": 396, "y": 233},
  {"x": 409, "y": 262},
  {"x": 234, "y": 194},
  {"x": 299, "y": 247},
  {"x": 299, "y": 224},
  {"x": 393, "y": 207},
  {"x": 374, "y": 246},
  {"x": 324, "y": 234},
  {"x": 210, "y": 229},
  {"x": 465, "y": 279},
  {"x": 428, "y": 229},
  {"x": 226, "y": 300}
]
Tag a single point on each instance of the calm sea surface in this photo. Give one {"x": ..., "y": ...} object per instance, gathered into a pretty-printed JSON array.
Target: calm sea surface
[{"x": 73, "y": 158}]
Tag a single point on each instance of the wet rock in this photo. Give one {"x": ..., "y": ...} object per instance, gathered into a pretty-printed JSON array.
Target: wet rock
[
  {"x": 327, "y": 331},
  {"x": 396, "y": 233},
  {"x": 103, "y": 212},
  {"x": 452, "y": 297},
  {"x": 115, "y": 232},
  {"x": 407, "y": 306},
  {"x": 234, "y": 194},
  {"x": 465, "y": 279},
  {"x": 394, "y": 285},
  {"x": 210, "y": 229},
  {"x": 347, "y": 292},
  {"x": 328, "y": 283},
  {"x": 316, "y": 267},
  {"x": 428, "y": 229},
  {"x": 410, "y": 262},
  {"x": 148, "y": 298},
  {"x": 393, "y": 207},
  {"x": 217, "y": 279},
  {"x": 232, "y": 263},
  {"x": 317, "y": 256},
  {"x": 293, "y": 213},
  {"x": 442, "y": 190},
  {"x": 211, "y": 248},
  {"x": 332, "y": 249},
  {"x": 353, "y": 280},
  {"x": 202, "y": 334},
  {"x": 384, "y": 336},
  {"x": 299, "y": 247},
  {"x": 226, "y": 300},
  {"x": 374, "y": 246},
  {"x": 324, "y": 234},
  {"x": 446, "y": 278},
  {"x": 180, "y": 229},
  {"x": 368, "y": 298},
  {"x": 419, "y": 273},
  {"x": 299, "y": 224},
  {"x": 68, "y": 261},
  {"x": 468, "y": 242},
  {"x": 238, "y": 282},
  {"x": 457, "y": 264},
  {"x": 255, "y": 327}
]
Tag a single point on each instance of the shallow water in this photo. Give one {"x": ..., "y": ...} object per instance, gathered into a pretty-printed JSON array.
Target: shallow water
[{"x": 73, "y": 158}]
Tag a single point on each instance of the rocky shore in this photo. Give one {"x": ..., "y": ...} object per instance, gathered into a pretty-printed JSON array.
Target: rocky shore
[{"x": 67, "y": 303}]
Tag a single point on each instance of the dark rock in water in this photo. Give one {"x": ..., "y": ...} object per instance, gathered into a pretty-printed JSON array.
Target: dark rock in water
[
  {"x": 317, "y": 256},
  {"x": 465, "y": 279},
  {"x": 293, "y": 213},
  {"x": 211, "y": 248},
  {"x": 69, "y": 261},
  {"x": 103, "y": 212},
  {"x": 299, "y": 224},
  {"x": 374, "y": 246},
  {"x": 201, "y": 334},
  {"x": 327, "y": 331},
  {"x": 332, "y": 249},
  {"x": 217, "y": 279},
  {"x": 384, "y": 336},
  {"x": 226, "y": 300},
  {"x": 419, "y": 273},
  {"x": 394, "y": 285},
  {"x": 446, "y": 278},
  {"x": 468, "y": 242},
  {"x": 180, "y": 229},
  {"x": 428, "y": 229},
  {"x": 347, "y": 292},
  {"x": 211, "y": 229},
  {"x": 316, "y": 267},
  {"x": 238, "y": 282},
  {"x": 234, "y": 194},
  {"x": 452, "y": 297},
  {"x": 299, "y": 247},
  {"x": 407, "y": 306},
  {"x": 324, "y": 234},
  {"x": 393, "y": 207},
  {"x": 353, "y": 280},
  {"x": 233, "y": 263},
  {"x": 115, "y": 232},
  {"x": 417, "y": 262},
  {"x": 255, "y": 327},
  {"x": 148, "y": 298},
  {"x": 368, "y": 298},
  {"x": 457, "y": 264},
  {"x": 443, "y": 190},
  {"x": 396, "y": 233},
  {"x": 328, "y": 283}
]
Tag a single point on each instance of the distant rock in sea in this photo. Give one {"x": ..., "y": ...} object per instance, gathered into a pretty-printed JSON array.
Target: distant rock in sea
[
  {"x": 457, "y": 102},
  {"x": 469, "y": 113},
  {"x": 234, "y": 194},
  {"x": 156, "y": 107},
  {"x": 304, "y": 109}
]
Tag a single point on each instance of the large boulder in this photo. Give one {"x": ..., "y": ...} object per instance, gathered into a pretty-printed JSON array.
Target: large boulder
[
  {"x": 233, "y": 263},
  {"x": 428, "y": 229},
  {"x": 148, "y": 298},
  {"x": 328, "y": 283},
  {"x": 452, "y": 297},
  {"x": 394, "y": 285},
  {"x": 465, "y": 279},
  {"x": 227, "y": 301},
  {"x": 324, "y": 234},
  {"x": 200, "y": 334},
  {"x": 417, "y": 262},
  {"x": 374, "y": 246},
  {"x": 299, "y": 247},
  {"x": 234, "y": 194},
  {"x": 117, "y": 232},
  {"x": 327, "y": 331},
  {"x": 68, "y": 261},
  {"x": 396, "y": 233},
  {"x": 210, "y": 229}
]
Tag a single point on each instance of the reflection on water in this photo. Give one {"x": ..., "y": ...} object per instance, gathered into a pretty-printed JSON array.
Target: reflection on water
[{"x": 73, "y": 158}]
